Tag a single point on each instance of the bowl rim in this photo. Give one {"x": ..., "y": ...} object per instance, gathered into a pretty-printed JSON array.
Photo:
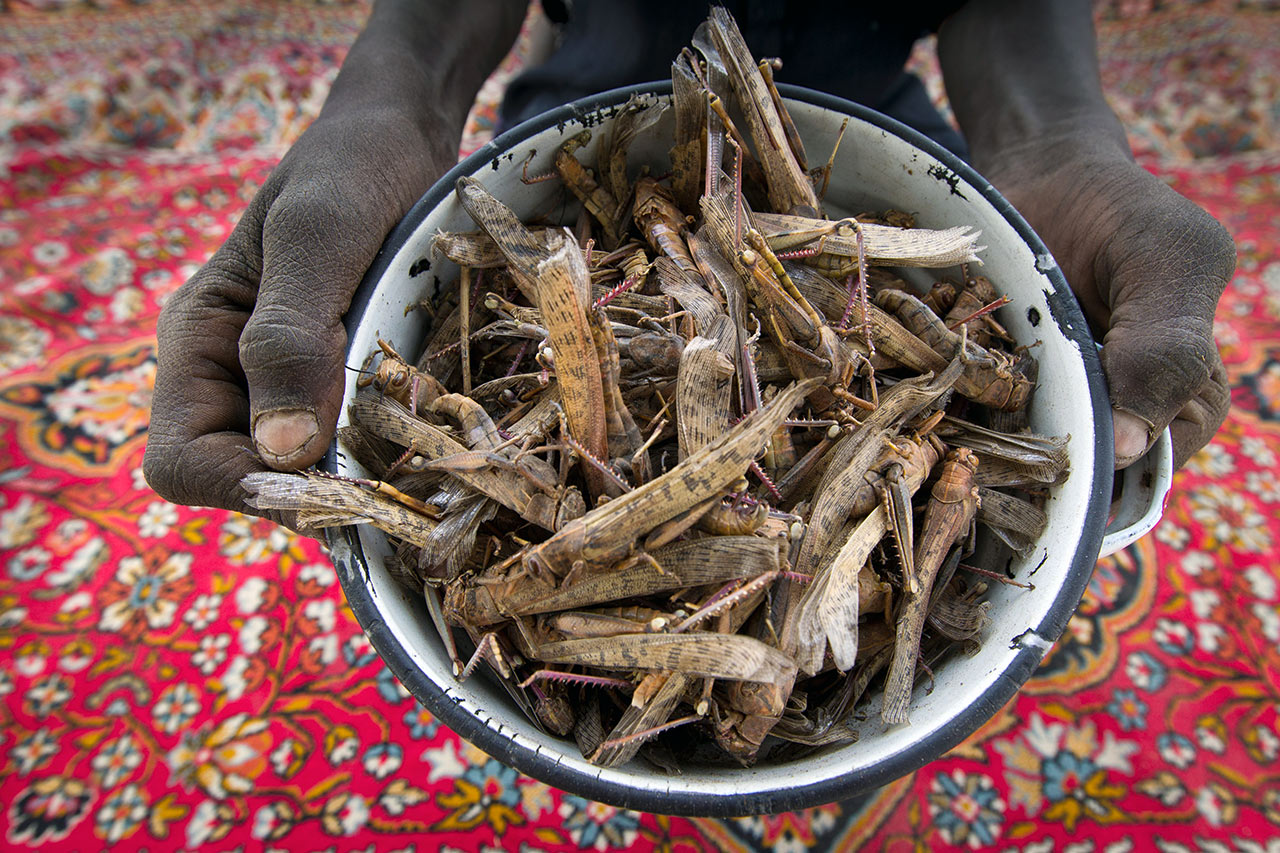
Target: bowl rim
[{"x": 353, "y": 571}]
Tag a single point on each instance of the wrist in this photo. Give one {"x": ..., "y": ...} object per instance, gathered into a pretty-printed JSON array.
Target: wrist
[
  {"x": 426, "y": 58},
  {"x": 1028, "y": 149}
]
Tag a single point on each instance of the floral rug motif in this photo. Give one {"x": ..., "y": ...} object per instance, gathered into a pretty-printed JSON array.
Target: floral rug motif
[{"x": 178, "y": 678}]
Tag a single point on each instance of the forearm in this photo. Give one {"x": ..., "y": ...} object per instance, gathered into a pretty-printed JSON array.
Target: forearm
[
  {"x": 424, "y": 61},
  {"x": 1022, "y": 75}
]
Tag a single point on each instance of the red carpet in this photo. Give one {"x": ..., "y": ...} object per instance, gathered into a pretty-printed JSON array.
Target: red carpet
[{"x": 175, "y": 677}]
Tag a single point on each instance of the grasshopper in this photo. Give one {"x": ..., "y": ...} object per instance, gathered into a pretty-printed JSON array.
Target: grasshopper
[
  {"x": 790, "y": 190},
  {"x": 493, "y": 597},
  {"x": 833, "y": 247},
  {"x": 947, "y": 517},
  {"x": 609, "y": 532},
  {"x": 560, "y": 284}
]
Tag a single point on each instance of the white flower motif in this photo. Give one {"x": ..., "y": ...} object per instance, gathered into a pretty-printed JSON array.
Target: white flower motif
[
  {"x": 139, "y": 480},
  {"x": 251, "y": 634},
  {"x": 177, "y": 706},
  {"x": 321, "y": 612},
  {"x": 444, "y": 762},
  {"x": 25, "y": 343},
  {"x": 121, "y": 813},
  {"x": 1114, "y": 754},
  {"x": 126, "y": 304},
  {"x": 212, "y": 652},
  {"x": 19, "y": 525},
  {"x": 1264, "y": 485},
  {"x": 1044, "y": 739},
  {"x": 13, "y": 617},
  {"x": 1209, "y": 636},
  {"x": 382, "y": 760},
  {"x": 1195, "y": 562},
  {"x": 249, "y": 595},
  {"x": 1258, "y": 450},
  {"x": 283, "y": 756},
  {"x": 156, "y": 279},
  {"x": 1269, "y": 617},
  {"x": 244, "y": 544},
  {"x": 353, "y": 815},
  {"x": 203, "y": 611},
  {"x": 70, "y": 528},
  {"x": 1262, "y": 583},
  {"x": 48, "y": 694},
  {"x": 29, "y": 664},
  {"x": 29, "y": 563},
  {"x": 266, "y": 819},
  {"x": 1213, "y": 460},
  {"x": 1209, "y": 805},
  {"x": 1172, "y": 535},
  {"x": 1174, "y": 637},
  {"x": 233, "y": 679},
  {"x": 145, "y": 584},
  {"x": 157, "y": 518},
  {"x": 6, "y": 683},
  {"x": 107, "y": 270},
  {"x": 204, "y": 820},
  {"x": 81, "y": 565},
  {"x": 1203, "y": 602},
  {"x": 325, "y": 648},
  {"x": 1210, "y": 739},
  {"x": 320, "y": 573},
  {"x": 50, "y": 252},
  {"x": 116, "y": 760},
  {"x": 34, "y": 750},
  {"x": 344, "y": 750},
  {"x": 75, "y": 602},
  {"x": 1268, "y": 742},
  {"x": 1230, "y": 517}
]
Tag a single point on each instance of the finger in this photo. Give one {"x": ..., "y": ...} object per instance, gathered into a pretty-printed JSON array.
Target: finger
[
  {"x": 1199, "y": 420},
  {"x": 1159, "y": 352},
  {"x": 197, "y": 445},
  {"x": 1153, "y": 372},
  {"x": 292, "y": 347}
]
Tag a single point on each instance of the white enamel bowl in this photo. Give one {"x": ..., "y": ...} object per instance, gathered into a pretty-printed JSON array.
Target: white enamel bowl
[{"x": 880, "y": 164}]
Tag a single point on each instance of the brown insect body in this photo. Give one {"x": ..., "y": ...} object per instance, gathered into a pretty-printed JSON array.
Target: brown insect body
[{"x": 950, "y": 511}]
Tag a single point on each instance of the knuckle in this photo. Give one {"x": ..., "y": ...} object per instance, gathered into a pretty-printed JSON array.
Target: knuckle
[
  {"x": 287, "y": 343},
  {"x": 157, "y": 468},
  {"x": 316, "y": 207},
  {"x": 1187, "y": 354}
]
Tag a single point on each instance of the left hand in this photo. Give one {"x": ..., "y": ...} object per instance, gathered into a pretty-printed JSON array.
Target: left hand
[{"x": 1148, "y": 267}]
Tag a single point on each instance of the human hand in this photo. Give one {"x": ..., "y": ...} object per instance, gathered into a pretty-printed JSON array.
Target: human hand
[
  {"x": 1148, "y": 267},
  {"x": 251, "y": 348}
]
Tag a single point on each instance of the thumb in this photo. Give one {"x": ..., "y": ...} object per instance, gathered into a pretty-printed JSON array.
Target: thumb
[
  {"x": 1161, "y": 361},
  {"x": 293, "y": 345},
  {"x": 1157, "y": 360}
]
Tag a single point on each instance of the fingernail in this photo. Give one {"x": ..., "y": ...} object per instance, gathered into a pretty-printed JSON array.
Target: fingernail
[
  {"x": 281, "y": 436},
  {"x": 1132, "y": 437}
]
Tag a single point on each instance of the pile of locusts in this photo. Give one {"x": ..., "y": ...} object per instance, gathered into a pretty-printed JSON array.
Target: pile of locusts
[{"x": 713, "y": 473}]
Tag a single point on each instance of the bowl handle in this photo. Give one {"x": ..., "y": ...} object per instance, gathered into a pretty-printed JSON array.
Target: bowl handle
[{"x": 1144, "y": 490}]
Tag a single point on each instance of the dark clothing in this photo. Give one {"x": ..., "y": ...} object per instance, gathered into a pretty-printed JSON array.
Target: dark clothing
[{"x": 852, "y": 50}]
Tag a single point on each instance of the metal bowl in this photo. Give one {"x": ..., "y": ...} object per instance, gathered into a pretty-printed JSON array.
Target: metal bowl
[{"x": 881, "y": 163}]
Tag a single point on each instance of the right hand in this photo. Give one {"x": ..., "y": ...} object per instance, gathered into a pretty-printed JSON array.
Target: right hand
[{"x": 251, "y": 348}]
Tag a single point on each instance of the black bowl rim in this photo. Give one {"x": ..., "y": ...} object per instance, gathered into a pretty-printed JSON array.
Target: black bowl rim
[{"x": 353, "y": 571}]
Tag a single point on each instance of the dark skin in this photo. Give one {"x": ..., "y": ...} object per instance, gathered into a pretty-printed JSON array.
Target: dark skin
[{"x": 250, "y": 359}]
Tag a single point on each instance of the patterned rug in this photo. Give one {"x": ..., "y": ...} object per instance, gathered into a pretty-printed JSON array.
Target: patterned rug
[{"x": 179, "y": 678}]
